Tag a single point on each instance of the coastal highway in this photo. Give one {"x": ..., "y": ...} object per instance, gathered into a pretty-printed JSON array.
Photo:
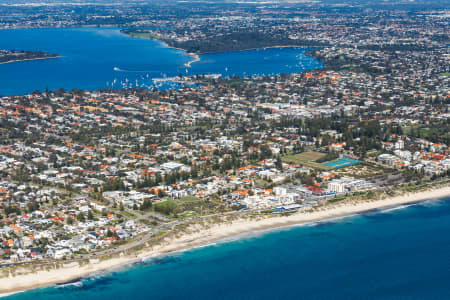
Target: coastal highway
[
  {"x": 145, "y": 237},
  {"x": 142, "y": 238}
]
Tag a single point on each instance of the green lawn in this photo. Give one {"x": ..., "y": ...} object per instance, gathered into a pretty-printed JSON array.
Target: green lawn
[
  {"x": 185, "y": 199},
  {"x": 144, "y": 35},
  {"x": 189, "y": 198},
  {"x": 128, "y": 214},
  {"x": 307, "y": 159}
]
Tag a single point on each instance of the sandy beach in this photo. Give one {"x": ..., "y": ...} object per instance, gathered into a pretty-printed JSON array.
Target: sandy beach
[
  {"x": 29, "y": 59},
  {"x": 195, "y": 59},
  {"x": 196, "y": 235},
  {"x": 195, "y": 56}
]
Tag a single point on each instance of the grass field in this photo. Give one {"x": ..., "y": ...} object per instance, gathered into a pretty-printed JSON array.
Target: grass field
[
  {"x": 144, "y": 35},
  {"x": 307, "y": 159},
  {"x": 189, "y": 199}
]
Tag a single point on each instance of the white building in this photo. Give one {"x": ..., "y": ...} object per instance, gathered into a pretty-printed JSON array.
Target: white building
[{"x": 347, "y": 184}]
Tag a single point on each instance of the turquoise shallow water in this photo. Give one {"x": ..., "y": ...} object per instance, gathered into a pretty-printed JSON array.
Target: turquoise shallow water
[
  {"x": 391, "y": 254},
  {"x": 95, "y": 58}
]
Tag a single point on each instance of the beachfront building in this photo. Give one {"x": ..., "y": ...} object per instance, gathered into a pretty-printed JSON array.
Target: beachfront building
[{"x": 349, "y": 184}]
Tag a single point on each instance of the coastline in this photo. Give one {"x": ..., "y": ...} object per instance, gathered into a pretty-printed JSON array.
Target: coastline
[
  {"x": 28, "y": 59},
  {"x": 195, "y": 56},
  {"x": 199, "y": 235},
  {"x": 262, "y": 48}
]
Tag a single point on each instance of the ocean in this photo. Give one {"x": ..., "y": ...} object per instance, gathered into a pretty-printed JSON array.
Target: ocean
[
  {"x": 96, "y": 58},
  {"x": 397, "y": 253}
]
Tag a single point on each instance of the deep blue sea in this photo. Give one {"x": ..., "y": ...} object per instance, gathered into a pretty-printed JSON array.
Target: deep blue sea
[
  {"x": 95, "y": 58},
  {"x": 400, "y": 253}
]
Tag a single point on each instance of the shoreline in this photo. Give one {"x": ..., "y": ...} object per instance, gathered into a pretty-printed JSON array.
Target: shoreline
[
  {"x": 263, "y": 48},
  {"x": 199, "y": 236},
  {"x": 28, "y": 59},
  {"x": 195, "y": 56}
]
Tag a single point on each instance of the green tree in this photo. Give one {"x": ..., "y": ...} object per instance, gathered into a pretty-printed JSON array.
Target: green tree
[
  {"x": 147, "y": 204},
  {"x": 80, "y": 217}
]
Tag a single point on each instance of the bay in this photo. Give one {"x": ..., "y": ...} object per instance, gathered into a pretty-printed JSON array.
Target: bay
[{"x": 96, "y": 58}]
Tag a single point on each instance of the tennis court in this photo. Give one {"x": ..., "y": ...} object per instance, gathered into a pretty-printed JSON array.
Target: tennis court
[{"x": 341, "y": 162}]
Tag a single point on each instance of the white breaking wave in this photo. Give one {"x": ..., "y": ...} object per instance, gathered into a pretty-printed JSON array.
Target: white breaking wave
[
  {"x": 9, "y": 294},
  {"x": 396, "y": 208},
  {"x": 78, "y": 283}
]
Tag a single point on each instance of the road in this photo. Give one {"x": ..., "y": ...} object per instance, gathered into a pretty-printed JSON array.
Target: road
[{"x": 385, "y": 183}]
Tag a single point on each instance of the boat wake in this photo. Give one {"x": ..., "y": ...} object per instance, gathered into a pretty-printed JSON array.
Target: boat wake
[{"x": 116, "y": 69}]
